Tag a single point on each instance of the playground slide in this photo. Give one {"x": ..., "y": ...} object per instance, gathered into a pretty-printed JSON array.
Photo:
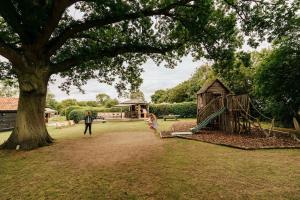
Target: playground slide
[{"x": 207, "y": 120}]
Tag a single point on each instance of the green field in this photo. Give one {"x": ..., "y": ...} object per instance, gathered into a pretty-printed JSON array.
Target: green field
[{"x": 125, "y": 160}]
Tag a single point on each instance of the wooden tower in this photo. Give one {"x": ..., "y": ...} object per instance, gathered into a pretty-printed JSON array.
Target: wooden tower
[{"x": 219, "y": 109}]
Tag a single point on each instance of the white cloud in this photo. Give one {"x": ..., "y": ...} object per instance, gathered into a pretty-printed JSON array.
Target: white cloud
[{"x": 155, "y": 78}]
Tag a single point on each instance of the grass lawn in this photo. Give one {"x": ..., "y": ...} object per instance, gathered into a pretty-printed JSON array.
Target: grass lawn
[{"x": 124, "y": 160}]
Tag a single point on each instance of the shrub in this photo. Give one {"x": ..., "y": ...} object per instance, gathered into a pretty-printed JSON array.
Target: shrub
[
  {"x": 110, "y": 103},
  {"x": 76, "y": 115},
  {"x": 185, "y": 109},
  {"x": 69, "y": 109},
  {"x": 92, "y": 103},
  {"x": 79, "y": 112}
]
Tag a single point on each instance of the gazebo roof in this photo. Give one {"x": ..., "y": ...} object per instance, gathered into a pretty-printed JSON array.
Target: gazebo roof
[
  {"x": 208, "y": 84},
  {"x": 49, "y": 110}
]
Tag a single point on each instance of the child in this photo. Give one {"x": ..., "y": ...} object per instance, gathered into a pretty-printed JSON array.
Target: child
[{"x": 152, "y": 122}]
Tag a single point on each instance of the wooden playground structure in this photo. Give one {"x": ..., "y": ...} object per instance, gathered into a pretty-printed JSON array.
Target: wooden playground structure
[{"x": 219, "y": 109}]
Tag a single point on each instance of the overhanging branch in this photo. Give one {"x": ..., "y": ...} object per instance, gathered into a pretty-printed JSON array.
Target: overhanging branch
[
  {"x": 57, "y": 10},
  {"x": 79, "y": 27},
  {"x": 110, "y": 53},
  {"x": 8, "y": 51},
  {"x": 9, "y": 13}
]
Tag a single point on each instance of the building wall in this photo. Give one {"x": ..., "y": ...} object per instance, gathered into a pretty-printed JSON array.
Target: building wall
[{"x": 7, "y": 120}]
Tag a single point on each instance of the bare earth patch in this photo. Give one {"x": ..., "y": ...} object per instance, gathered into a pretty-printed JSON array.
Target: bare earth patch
[
  {"x": 182, "y": 126},
  {"x": 254, "y": 140},
  {"x": 108, "y": 149}
]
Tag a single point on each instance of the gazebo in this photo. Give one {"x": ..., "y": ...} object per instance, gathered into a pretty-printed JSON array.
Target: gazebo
[
  {"x": 138, "y": 108},
  {"x": 49, "y": 113}
]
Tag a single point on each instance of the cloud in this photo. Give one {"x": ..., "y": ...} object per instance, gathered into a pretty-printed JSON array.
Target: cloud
[{"x": 155, "y": 78}]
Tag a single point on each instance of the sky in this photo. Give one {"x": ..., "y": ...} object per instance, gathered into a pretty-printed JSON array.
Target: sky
[{"x": 154, "y": 78}]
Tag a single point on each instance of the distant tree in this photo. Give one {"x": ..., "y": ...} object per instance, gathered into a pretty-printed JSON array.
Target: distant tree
[
  {"x": 137, "y": 94},
  {"x": 277, "y": 80},
  {"x": 239, "y": 74},
  {"x": 102, "y": 98},
  {"x": 92, "y": 103},
  {"x": 159, "y": 96},
  {"x": 82, "y": 103},
  {"x": 50, "y": 101},
  {"x": 8, "y": 88},
  {"x": 66, "y": 103},
  {"x": 111, "y": 102}
]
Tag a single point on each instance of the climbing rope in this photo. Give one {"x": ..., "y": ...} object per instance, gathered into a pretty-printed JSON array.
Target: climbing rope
[
  {"x": 258, "y": 110},
  {"x": 247, "y": 114}
]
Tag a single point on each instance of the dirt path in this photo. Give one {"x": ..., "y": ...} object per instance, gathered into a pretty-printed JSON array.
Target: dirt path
[{"x": 108, "y": 149}]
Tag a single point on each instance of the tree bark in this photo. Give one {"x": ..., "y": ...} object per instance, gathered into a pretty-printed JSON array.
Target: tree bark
[{"x": 30, "y": 130}]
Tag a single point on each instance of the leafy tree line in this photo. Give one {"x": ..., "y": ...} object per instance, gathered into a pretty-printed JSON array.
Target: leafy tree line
[
  {"x": 102, "y": 101},
  {"x": 185, "y": 91}
]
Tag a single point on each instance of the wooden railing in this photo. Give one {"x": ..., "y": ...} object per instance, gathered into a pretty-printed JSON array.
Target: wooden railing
[
  {"x": 237, "y": 102},
  {"x": 212, "y": 107}
]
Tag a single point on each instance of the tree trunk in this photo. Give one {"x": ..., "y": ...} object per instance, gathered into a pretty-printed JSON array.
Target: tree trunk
[{"x": 30, "y": 130}]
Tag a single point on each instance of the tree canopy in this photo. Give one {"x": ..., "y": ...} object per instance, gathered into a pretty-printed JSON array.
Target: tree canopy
[
  {"x": 101, "y": 98},
  {"x": 277, "y": 80},
  {"x": 137, "y": 94}
]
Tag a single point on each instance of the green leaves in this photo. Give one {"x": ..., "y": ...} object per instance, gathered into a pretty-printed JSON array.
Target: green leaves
[{"x": 110, "y": 40}]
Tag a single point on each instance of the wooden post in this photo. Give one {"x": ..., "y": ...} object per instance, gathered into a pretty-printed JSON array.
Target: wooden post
[{"x": 139, "y": 111}]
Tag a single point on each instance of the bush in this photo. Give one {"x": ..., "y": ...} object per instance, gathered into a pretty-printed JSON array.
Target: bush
[
  {"x": 185, "y": 109},
  {"x": 92, "y": 103},
  {"x": 113, "y": 109},
  {"x": 69, "y": 109},
  {"x": 110, "y": 103},
  {"x": 76, "y": 115}
]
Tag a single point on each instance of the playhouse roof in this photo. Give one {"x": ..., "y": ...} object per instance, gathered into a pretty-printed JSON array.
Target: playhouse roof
[
  {"x": 208, "y": 84},
  {"x": 8, "y": 104}
]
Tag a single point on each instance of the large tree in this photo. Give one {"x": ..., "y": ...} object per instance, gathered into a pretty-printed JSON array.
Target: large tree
[
  {"x": 108, "y": 42},
  {"x": 277, "y": 80}
]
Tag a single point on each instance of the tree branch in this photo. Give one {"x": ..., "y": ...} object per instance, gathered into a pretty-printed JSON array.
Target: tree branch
[
  {"x": 78, "y": 27},
  {"x": 110, "y": 53},
  {"x": 58, "y": 8},
  {"x": 10, "y": 15},
  {"x": 8, "y": 51}
]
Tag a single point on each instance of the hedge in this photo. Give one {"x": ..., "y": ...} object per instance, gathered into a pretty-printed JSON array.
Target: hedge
[
  {"x": 76, "y": 115},
  {"x": 69, "y": 109},
  {"x": 185, "y": 109},
  {"x": 79, "y": 114}
]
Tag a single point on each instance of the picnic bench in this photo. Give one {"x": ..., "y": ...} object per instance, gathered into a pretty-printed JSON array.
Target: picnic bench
[{"x": 175, "y": 117}]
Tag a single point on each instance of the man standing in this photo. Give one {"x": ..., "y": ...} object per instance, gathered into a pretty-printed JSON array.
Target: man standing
[{"x": 88, "y": 120}]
